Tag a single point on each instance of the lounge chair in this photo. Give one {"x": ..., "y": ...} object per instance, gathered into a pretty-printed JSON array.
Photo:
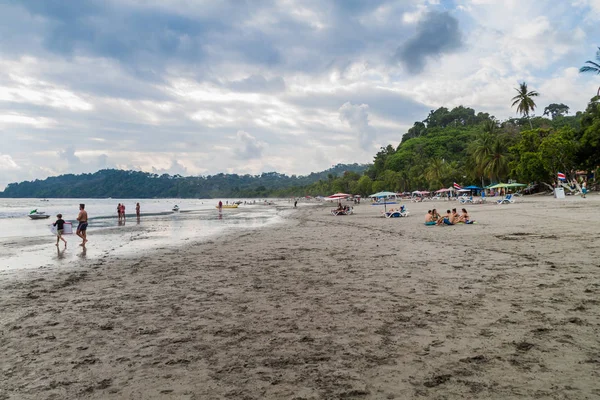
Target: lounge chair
[
  {"x": 397, "y": 213},
  {"x": 337, "y": 212},
  {"x": 507, "y": 200},
  {"x": 465, "y": 199}
]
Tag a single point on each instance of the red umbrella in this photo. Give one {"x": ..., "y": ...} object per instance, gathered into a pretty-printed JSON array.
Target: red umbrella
[{"x": 338, "y": 196}]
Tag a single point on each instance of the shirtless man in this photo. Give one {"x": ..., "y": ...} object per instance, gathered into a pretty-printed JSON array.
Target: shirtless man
[
  {"x": 455, "y": 217},
  {"x": 429, "y": 218},
  {"x": 83, "y": 223},
  {"x": 447, "y": 220}
]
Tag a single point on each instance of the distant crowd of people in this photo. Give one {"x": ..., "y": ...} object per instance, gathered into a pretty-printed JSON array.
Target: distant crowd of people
[{"x": 451, "y": 218}]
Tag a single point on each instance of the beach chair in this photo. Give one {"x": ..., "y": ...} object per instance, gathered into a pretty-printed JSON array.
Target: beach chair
[
  {"x": 465, "y": 199},
  {"x": 337, "y": 212},
  {"x": 507, "y": 200},
  {"x": 397, "y": 213}
]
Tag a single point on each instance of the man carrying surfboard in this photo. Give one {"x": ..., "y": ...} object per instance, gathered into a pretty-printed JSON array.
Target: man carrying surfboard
[{"x": 83, "y": 223}]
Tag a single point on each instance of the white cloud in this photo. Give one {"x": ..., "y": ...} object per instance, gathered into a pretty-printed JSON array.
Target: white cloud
[
  {"x": 247, "y": 146},
  {"x": 7, "y": 163},
  {"x": 357, "y": 117}
]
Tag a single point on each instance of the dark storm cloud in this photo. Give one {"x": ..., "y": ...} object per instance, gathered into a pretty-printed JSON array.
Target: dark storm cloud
[{"x": 437, "y": 33}]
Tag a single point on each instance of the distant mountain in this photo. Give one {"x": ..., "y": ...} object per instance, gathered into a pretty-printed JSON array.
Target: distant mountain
[{"x": 135, "y": 184}]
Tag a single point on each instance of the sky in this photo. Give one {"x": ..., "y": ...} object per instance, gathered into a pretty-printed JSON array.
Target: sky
[{"x": 198, "y": 87}]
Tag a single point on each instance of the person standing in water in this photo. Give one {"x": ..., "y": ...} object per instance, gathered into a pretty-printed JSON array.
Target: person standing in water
[
  {"x": 60, "y": 226},
  {"x": 119, "y": 211},
  {"x": 83, "y": 224},
  {"x": 220, "y": 205},
  {"x": 123, "y": 211},
  {"x": 137, "y": 210}
]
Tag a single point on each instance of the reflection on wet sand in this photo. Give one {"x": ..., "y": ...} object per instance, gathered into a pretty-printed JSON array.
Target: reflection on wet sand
[
  {"x": 60, "y": 254},
  {"x": 111, "y": 238},
  {"x": 83, "y": 252}
]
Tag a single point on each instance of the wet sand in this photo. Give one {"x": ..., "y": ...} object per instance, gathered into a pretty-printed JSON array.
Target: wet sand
[{"x": 323, "y": 307}]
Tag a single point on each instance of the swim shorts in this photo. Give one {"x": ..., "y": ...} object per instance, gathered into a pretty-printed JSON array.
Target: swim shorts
[
  {"x": 82, "y": 226},
  {"x": 430, "y": 223},
  {"x": 59, "y": 232},
  {"x": 447, "y": 221}
]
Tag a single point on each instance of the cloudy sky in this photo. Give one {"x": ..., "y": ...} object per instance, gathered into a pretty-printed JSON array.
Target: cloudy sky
[{"x": 246, "y": 86}]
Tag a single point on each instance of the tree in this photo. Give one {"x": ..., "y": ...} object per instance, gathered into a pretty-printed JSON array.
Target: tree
[
  {"x": 481, "y": 151},
  {"x": 589, "y": 150},
  {"x": 555, "y": 110},
  {"x": 364, "y": 186},
  {"x": 558, "y": 151},
  {"x": 524, "y": 102},
  {"x": 592, "y": 67},
  {"x": 436, "y": 172},
  {"x": 496, "y": 163}
]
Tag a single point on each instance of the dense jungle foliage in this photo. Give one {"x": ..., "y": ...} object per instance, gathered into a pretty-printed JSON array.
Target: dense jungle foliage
[{"x": 466, "y": 147}]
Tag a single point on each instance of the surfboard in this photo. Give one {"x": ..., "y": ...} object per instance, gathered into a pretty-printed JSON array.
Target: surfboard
[{"x": 67, "y": 228}]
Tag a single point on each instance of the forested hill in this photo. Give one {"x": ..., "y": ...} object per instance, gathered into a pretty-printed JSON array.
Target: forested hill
[{"x": 134, "y": 184}]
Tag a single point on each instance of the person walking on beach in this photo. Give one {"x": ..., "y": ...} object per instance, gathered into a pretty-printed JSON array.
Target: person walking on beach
[
  {"x": 583, "y": 189},
  {"x": 60, "y": 226},
  {"x": 295, "y": 203},
  {"x": 123, "y": 211},
  {"x": 119, "y": 211},
  {"x": 137, "y": 210},
  {"x": 83, "y": 224},
  {"x": 220, "y": 205}
]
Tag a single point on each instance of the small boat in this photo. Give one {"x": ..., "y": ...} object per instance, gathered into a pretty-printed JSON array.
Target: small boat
[
  {"x": 176, "y": 208},
  {"x": 228, "y": 206},
  {"x": 35, "y": 214}
]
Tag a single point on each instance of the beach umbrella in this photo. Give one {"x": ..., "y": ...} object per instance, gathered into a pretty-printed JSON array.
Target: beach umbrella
[
  {"x": 337, "y": 196},
  {"x": 383, "y": 194},
  {"x": 516, "y": 185},
  {"x": 498, "y": 186}
]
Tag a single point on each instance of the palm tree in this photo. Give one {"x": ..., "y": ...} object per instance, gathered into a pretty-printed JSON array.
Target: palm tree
[
  {"x": 436, "y": 172},
  {"x": 481, "y": 150},
  {"x": 593, "y": 67},
  {"x": 524, "y": 101},
  {"x": 497, "y": 162}
]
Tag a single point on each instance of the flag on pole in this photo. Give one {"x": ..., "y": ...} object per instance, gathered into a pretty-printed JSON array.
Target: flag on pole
[
  {"x": 562, "y": 176},
  {"x": 457, "y": 186}
]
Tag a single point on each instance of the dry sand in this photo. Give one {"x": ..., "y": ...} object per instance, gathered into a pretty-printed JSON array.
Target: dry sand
[{"x": 324, "y": 307}]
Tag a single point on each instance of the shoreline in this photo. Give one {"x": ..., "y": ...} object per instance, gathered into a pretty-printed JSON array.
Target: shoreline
[
  {"x": 128, "y": 239},
  {"x": 324, "y": 307}
]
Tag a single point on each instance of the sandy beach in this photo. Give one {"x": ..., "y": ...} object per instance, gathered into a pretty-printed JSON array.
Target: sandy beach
[{"x": 323, "y": 307}]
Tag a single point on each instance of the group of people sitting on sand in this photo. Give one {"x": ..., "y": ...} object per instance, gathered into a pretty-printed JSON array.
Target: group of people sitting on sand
[
  {"x": 342, "y": 208},
  {"x": 451, "y": 218}
]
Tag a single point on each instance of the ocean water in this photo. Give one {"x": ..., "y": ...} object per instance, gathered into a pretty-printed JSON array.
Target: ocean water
[{"x": 27, "y": 243}]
